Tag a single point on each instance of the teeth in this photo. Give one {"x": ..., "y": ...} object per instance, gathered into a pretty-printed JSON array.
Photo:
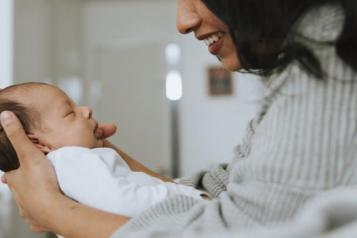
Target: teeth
[{"x": 213, "y": 38}]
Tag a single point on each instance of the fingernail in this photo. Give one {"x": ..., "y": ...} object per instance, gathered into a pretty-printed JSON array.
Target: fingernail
[{"x": 5, "y": 118}]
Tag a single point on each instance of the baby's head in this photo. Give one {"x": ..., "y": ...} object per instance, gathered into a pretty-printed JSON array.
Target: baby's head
[{"x": 50, "y": 119}]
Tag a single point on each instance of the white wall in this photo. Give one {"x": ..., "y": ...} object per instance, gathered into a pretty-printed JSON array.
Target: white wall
[
  {"x": 6, "y": 42},
  {"x": 32, "y": 32},
  {"x": 125, "y": 71},
  {"x": 47, "y": 40},
  {"x": 6, "y": 71}
]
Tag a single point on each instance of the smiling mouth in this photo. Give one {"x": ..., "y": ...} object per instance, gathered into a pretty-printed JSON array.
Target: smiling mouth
[
  {"x": 214, "y": 42},
  {"x": 213, "y": 38}
]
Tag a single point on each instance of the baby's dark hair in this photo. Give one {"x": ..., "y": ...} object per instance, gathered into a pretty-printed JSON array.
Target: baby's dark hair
[{"x": 8, "y": 157}]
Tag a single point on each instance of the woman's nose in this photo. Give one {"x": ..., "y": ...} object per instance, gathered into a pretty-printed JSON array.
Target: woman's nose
[{"x": 187, "y": 18}]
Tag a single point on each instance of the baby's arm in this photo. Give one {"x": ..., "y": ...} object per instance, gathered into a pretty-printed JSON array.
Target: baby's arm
[
  {"x": 98, "y": 178},
  {"x": 131, "y": 199}
]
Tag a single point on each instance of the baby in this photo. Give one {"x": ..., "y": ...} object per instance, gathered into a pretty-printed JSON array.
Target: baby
[{"x": 86, "y": 172}]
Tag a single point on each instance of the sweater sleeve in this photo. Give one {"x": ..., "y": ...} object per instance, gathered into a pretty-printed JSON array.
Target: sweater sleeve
[{"x": 213, "y": 182}]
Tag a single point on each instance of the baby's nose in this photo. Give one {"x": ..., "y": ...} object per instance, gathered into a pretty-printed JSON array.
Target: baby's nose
[{"x": 87, "y": 112}]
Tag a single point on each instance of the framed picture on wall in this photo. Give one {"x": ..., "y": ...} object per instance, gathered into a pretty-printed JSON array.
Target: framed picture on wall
[{"x": 220, "y": 82}]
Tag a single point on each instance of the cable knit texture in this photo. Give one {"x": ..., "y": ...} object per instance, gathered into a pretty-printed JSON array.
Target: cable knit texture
[{"x": 301, "y": 143}]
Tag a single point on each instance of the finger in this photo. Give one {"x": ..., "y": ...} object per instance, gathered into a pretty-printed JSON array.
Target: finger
[
  {"x": 105, "y": 130},
  {"x": 108, "y": 130},
  {"x": 23, "y": 146}
]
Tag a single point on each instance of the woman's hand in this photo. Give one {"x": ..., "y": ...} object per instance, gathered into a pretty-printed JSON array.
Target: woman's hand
[
  {"x": 105, "y": 131},
  {"x": 34, "y": 185}
]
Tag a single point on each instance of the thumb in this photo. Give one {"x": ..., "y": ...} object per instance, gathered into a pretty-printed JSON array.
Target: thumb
[{"x": 24, "y": 148}]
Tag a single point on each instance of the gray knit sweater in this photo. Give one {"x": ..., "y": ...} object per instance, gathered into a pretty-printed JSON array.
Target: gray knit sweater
[{"x": 300, "y": 144}]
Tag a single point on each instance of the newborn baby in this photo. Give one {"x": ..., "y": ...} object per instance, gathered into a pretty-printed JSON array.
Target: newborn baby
[{"x": 86, "y": 172}]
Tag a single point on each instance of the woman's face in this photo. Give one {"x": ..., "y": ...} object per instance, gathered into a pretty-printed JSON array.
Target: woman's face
[{"x": 194, "y": 16}]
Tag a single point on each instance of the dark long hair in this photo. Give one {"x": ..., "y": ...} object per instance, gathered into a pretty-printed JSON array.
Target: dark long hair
[{"x": 259, "y": 29}]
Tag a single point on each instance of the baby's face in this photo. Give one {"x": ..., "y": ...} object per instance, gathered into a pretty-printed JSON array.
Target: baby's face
[{"x": 61, "y": 121}]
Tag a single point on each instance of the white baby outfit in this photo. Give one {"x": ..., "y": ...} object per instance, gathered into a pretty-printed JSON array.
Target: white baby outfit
[{"x": 100, "y": 178}]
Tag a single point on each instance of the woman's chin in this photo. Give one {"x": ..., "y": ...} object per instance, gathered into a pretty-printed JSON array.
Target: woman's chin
[{"x": 231, "y": 64}]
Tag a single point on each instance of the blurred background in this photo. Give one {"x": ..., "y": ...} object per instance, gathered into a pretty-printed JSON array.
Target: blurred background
[{"x": 175, "y": 111}]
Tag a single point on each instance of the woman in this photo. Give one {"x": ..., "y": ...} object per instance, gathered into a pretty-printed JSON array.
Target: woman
[{"x": 301, "y": 143}]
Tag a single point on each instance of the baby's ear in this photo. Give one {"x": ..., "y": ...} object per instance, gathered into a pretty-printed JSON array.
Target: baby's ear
[{"x": 41, "y": 146}]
